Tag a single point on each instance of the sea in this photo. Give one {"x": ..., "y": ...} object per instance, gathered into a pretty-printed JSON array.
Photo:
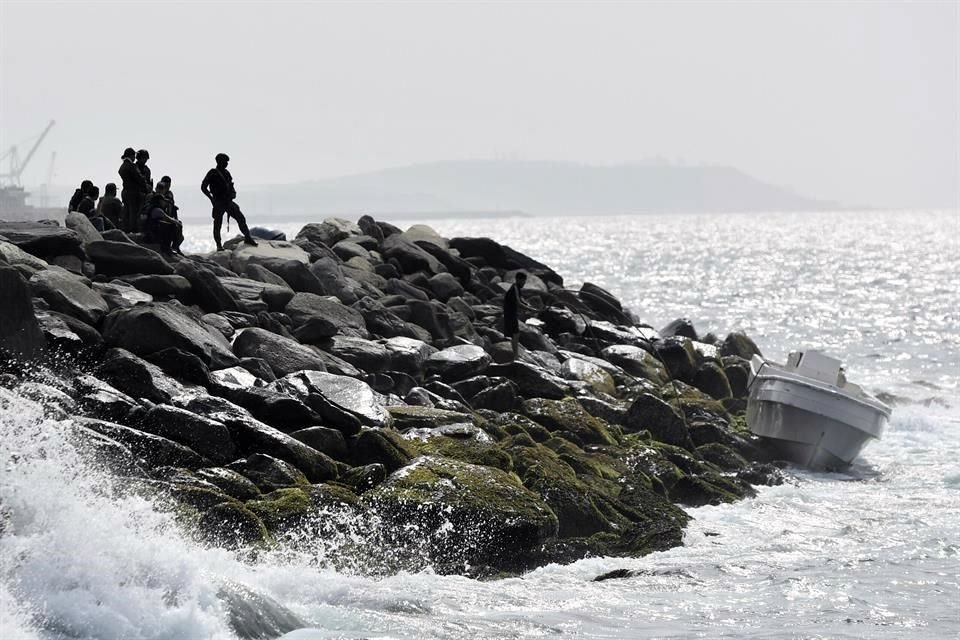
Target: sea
[{"x": 871, "y": 553}]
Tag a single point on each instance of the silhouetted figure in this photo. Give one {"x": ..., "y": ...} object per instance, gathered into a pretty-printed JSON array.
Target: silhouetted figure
[
  {"x": 172, "y": 208},
  {"x": 78, "y": 195},
  {"x": 133, "y": 190},
  {"x": 88, "y": 203},
  {"x": 110, "y": 207},
  {"x": 218, "y": 186},
  {"x": 160, "y": 227},
  {"x": 511, "y": 308}
]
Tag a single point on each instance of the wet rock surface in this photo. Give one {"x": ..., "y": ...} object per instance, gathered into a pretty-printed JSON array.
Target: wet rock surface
[{"x": 363, "y": 368}]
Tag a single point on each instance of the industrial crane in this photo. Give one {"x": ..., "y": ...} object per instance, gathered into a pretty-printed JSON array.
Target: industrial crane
[{"x": 17, "y": 167}]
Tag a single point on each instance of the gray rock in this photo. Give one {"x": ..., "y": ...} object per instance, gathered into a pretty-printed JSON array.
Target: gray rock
[
  {"x": 532, "y": 382},
  {"x": 275, "y": 296},
  {"x": 137, "y": 377},
  {"x": 636, "y": 361},
  {"x": 14, "y": 255},
  {"x": 159, "y": 285},
  {"x": 119, "y": 258},
  {"x": 353, "y": 395},
  {"x": 100, "y": 400},
  {"x": 323, "y": 439},
  {"x": 330, "y": 231},
  {"x": 304, "y": 306},
  {"x": 268, "y": 473},
  {"x": 381, "y": 321},
  {"x": 364, "y": 354},
  {"x": 148, "y": 328},
  {"x": 66, "y": 293},
  {"x": 660, "y": 419},
  {"x": 20, "y": 333},
  {"x": 445, "y": 286},
  {"x": 156, "y": 450},
  {"x": 41, "y": 238},
  {"x": 208, "y": 291},
  {"x": 409, "y": 256},
  {"x": 458, "y": 362},
  {"x": 252, "y": 437},
  {"x": 284, "y": 355},
  {"x": 120, "y": 295},
  {"x": 333, "y": 280},
  {"x": 234, "y": 378},
  {"x": 346, "y": 250},
  {"x": 207, "y": 437},
  {"x": 230, "y": 482},
  {"x": 242, "y": 256},
  {"x": 408, "y": 354},
  {"x": 682, "y": 327},
  {"x": 81, "y": 224},
  {"x": 296, "y": 274}
]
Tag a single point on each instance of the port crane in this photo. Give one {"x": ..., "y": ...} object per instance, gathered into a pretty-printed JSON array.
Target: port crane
[{"x": 12, "y": 178}]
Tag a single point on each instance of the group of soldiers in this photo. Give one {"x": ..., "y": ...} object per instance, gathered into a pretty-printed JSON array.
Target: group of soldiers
[{"x": 151, "y": 211}]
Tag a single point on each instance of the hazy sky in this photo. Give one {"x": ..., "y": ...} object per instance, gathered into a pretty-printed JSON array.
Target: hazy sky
[{"x": 855, "y": 102}]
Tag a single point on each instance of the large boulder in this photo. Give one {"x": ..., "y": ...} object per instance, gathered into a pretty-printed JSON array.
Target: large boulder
[
  {"x": 458, "y": 362},
  {"x": 208, "y": 291},
  {"x": 330, "y": 231},
  {"x": 81, "y": 224},
  {"x": 120, "y": 295},
  {"x": 381, "y": 321},
  {"x": 68, "y": 294},
  {"x": 659, "y": 418},
  {"x": 246, "y": 290},
  {"x": 244, "y": 255},
  {"x": 158, "y": 285},
  {"x": 409, "y": 256},
  {"x": 41, "y": 238},
  {"x": 148, "y": 328},
  {"x": 363, "y": 354},
  {"x": 408, "y": 354},
  {"x": 252, "y": 436},
  {"x": 503, "y": 257},
  {"x": 568, "y": 419},
  {"x": 137, "y": 377},
  {"x": 284, "y": 355},
  {"x": 472, "y": 514},
  {"x": 14, "y": 256},
  {"x": 735, "y": 344},
  {"x": 636, "y": 361},
  {"x": 295, "y": 273},
  {"x": 531, "y": 381},
  {"x": 304, "y": 306},
  {"x": 156, "y": 450},
  {"x": 207, "y": 437},
  {"x": 20, "y": 333},
  {"x": 355, "y": 396},
  {"x": 119, "y": 258}
]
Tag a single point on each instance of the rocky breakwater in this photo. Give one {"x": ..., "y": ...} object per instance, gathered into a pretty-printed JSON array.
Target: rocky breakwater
[{"x": 356, "y": 379}]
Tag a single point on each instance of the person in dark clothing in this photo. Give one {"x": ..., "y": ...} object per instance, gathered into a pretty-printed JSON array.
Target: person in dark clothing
[
  {"x": 218, "y": 186},
  {"x": 172, "y": 207},
  {"x": 132, "y": 192},
  {"x": 88, "y": 203},
  {"x": 160, "y": 227},
  {"x": 512, "y": 302},
  {"x": 78, "y": 195},
  {"x": 110, "y": 208}
]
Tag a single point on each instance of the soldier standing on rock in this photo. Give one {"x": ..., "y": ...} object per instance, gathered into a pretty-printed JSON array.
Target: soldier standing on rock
[
  {"x": 132, "y": 192},
  {"x": 511, "y": 307},
  {"x": 218, "y": 187}
]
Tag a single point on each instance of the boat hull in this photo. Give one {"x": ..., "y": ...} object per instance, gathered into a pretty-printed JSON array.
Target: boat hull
[{"x": 811, "y": 424}]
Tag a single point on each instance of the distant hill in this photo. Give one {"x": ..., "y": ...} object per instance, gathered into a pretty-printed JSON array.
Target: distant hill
[{"x": 533, "y": 187}]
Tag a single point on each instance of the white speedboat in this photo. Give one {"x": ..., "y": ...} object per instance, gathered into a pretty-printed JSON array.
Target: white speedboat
[{"x": 809, "y": 413}]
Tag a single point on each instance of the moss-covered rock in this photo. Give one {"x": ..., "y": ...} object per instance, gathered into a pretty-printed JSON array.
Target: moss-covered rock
[
  {"x": 382, "y": 446},
  {"x": 232, "y": 525},
  {"x": 721, "y": 456},
  {"x": 711, "y": 379},
  {"x": 470, "y": 514},
  {"x": 486, "y": 453},
  {"x": 414, "y": 417},
  {"x": 365, "y": 477},
  {"x": 739, "y": 344},
  {"x": 652, "y": 414},
  {"x": 282, "y": 509},
  {"x": 567, "y": 416}
]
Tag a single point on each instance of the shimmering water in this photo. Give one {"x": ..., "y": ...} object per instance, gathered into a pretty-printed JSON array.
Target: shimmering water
[{"x": 870, "y": 554}]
